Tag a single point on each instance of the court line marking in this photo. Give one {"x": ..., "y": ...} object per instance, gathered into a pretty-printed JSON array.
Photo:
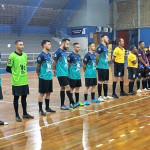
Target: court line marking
[
  {"x": 55, "y": 123},
  {"x": 99, "y": 145}
]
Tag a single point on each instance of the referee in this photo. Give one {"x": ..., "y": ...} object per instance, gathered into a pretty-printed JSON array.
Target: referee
[
  {"x": 17, "y": 66},
  {"x": 118, "y": 59}
]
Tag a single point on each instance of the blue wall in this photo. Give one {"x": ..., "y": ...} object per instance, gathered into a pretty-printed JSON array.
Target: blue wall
[
  {"x": 145, "y": 36},
  {"x": 89, "y": 29}
]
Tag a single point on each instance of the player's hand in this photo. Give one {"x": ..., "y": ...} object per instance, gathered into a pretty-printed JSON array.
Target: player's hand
[
  {"x": 146, "y": 65},
  {"x": 149, "y": 48},
  {"x": 53, "y": 73}
]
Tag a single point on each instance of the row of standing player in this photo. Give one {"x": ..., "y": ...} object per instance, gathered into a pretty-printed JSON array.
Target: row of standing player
[{"x": 69, "y": 79}]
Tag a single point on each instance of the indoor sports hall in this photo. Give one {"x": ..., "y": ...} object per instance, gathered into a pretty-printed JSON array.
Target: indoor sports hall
[{"x": 111, "y": 112}]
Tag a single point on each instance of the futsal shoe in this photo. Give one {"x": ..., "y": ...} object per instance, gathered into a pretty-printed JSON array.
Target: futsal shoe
[
  {"x": 50, "y": 110},
  {"x": 108, "y": 97},
  {"x": 64, "y": 107},
  {"x": 27, "y": 116},
  {"x": 3, "y": 123},
  {"x": 101, "y": 99},
  {"x": 132, "y": 93},
  {"x": 114, "y": 95},
  {"x": 75, "y": 105},
  {"x": 80, "y": 104},
  {"x": 123, "y": 94},
  {"x": 139, "y": 91},
  {"x": 42, "y": 113},
  {"x": 95, "y": 101},
  {"x": 86, "y": 102},
  {"x": 146, "y": 90},
  {"x": 18, "y": 119}
]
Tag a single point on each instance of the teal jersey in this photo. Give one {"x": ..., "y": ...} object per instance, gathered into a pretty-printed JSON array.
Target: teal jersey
[
  {"x": 74, "y": 67},
  {"x": 90, "y": 61},
  {"x": 45, "y": 66},
  {"x": 103, "y": 57},
  {"x": 61, "y": 69}
]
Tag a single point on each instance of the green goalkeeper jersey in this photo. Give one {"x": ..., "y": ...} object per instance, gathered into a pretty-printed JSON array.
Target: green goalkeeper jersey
[{"x": 18, "y": 64}]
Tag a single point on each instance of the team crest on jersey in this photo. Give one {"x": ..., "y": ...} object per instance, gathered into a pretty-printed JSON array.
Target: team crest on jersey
[
  {"x": 55, "y": 55},
  {"x": 85, "y": 59},
  {"x": 68, "y": 58},
  {"x": 39, "y": 58},
  {"x": 9, "y": 61},
  {"x": 99, "y": 49}
]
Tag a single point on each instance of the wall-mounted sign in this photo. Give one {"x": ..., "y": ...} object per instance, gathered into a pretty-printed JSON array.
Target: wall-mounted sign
[{"x": 78, "y": 31}]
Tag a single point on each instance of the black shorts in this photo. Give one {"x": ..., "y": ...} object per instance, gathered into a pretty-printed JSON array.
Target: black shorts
[
  {"x": 118, "y": 69},
  {"x": 103, "y": 74},
  {"x": 75, "y": 83},
  {"x": 90, "y": 82},
  {"x": 45, "y": 86},
  {"x": 20, "y": 90},
  {"x": 132, "y": 73},
  {"x": 148, "y": 72},
  {"x": 63, "y": 81},
  {"x": 1, "y": 94},
  {"x": 141, "y": 73}
]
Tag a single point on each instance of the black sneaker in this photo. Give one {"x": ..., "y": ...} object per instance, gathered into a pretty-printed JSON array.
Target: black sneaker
[
  {"x": 27, "y": 116},
  {"x": 123, "y": 94},
  {"x": 115, "y": 96},
  {"x": 3, "y": 123},
  {"x": 18, "y": 119},
  {"x": 132, "y": 93},
  {"x": 42, "y": 113},
  {"x": 50, "y": 110}
]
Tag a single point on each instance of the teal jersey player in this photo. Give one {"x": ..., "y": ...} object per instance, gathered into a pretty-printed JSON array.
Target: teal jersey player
[
  {"x": 45, "y": 66},
  {"x": 90, "y": 61},
  {"x": 61, "y": 69},
  {"x": 74, "y": 67}
]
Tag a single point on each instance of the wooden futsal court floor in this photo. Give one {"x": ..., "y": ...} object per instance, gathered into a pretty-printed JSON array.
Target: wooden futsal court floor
[{"x": 122, "y": 124}]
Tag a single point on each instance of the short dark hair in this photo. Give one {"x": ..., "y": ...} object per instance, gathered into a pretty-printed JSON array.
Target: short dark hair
[
  {"x": 141, "y": 42},
  {"x": 64, "y": 40},
  {"x": 132, "y": 47},
  {"x": 90, "y": 44},
  {"x": 118, "y": 40},
  {"x": 103, "y": 35},
  {"x": 75, "y": 44},
  {"x": 44, "y": 42},
  {"x": 16, "y": 42}
]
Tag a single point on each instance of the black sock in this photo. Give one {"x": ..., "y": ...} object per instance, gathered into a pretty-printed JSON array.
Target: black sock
[
  {"x": 24, "y": 104},
  {"x": 143, "y": 84},
  {"x": 16, "y": 98},
  {"x": 85, "y": 97},
  {"x": 77, "y": 97},
  {"x": 70, "y": 97},
  {"x": 105, "y": 88},
  {"x": 121, "y": 86},
  {"x": 93, "y": 95},
  {"x": 47, "y": 103},
  {"x": 40, "y": 106},
  {"x": 114, "y": 87},
  {"x": 99, "y": 89},
  {"x": 138, "y": 84},
  {"x": 62, "y": 97},
  {"x": 130, "y": 87},
  {"x": 148, "y": 83}
]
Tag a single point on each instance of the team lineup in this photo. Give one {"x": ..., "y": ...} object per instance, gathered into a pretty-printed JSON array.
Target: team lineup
[{"x": 67, "y": 70}]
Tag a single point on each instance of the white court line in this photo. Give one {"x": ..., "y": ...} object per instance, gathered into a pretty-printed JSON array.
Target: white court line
[
  {"x": 122, "y": 135},
  {"x": 132, "y": 131},
  {"x": 99, "y": 145},
  {"x": 55, "y": 123},
  {"x": 111, "y": 140}
]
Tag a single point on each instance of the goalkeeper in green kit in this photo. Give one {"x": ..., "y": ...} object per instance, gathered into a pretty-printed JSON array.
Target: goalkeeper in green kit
[{"x": 17, "y": 66}]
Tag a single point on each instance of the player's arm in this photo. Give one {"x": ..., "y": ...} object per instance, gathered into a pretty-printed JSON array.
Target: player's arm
[
  {"x": 39, "y": 62},
  {"x": 142, "y": 61},
  {"x": 98, "y": 52},
  {"x": 84, "y": 67},
  {"x": 38, "y": 69},
  {"x": 69, "y": 60},
  {"x": 97, "y": 58},
  {"x": 114, "y": 55},
  {"x": 9, "y": 64},
  {"x": 85, "y": 61},
  {"x": 56, "y": 57}
]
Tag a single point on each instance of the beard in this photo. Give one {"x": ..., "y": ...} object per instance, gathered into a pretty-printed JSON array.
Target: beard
[{"x": 65, "y": 48}]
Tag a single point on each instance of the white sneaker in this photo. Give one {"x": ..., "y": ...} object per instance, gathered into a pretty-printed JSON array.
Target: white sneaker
[
  {"x": 139, "y": 91},
  {"x": 108, "y": 97},
  {"x": 145, "y": 89},
  {"x": 101, "y": 99}
]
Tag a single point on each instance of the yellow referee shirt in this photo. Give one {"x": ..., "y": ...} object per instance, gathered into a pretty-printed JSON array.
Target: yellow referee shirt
[
  {"x": 119, "y": 54},
  {"x": 131, "y": 58}
]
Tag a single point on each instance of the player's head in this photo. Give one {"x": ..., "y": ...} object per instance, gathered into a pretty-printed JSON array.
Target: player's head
[
  {"x": 46, "y": 44},
  {"x": 76, "y": 47},
  {"x": 91, "y": 46},
  {"x": 133, "y": 49},
  {"x": 120, "y": 42},
  {"x": 104, "y": 38},
  {"x": 141, "y": 45},
  {"x": 19, "y": 45},
  {"x": 65, "y": 44}
]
